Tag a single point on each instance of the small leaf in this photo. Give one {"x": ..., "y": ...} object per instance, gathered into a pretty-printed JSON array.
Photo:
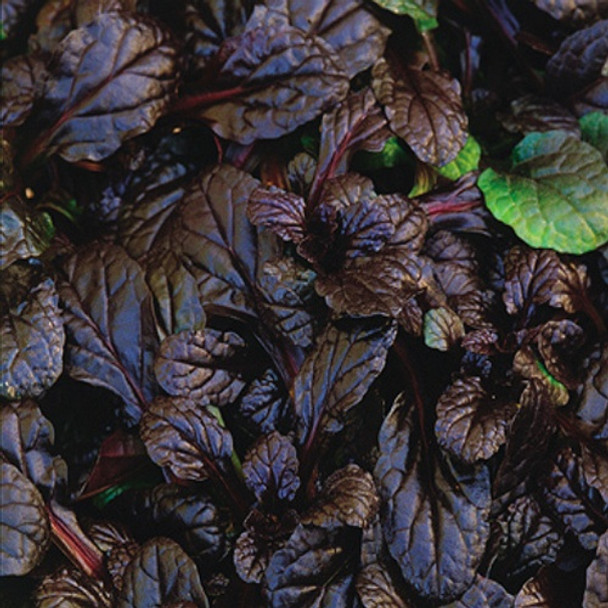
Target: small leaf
[
  {"x": 183, "y": 436},
  {"x": 348, "y": 498},
  {"x": 109, "y": 317},
  {"x": 574, "y": 11},
  {"x": 263, "y": 403},
  {"x": 271, "y": 467},
  {"x": 434, "y": 510},
  {"x": 109, "y": 81},
  {"x": 160, "y": 573},
  {"x": 471, "y": 423},
  {"x": 31, "y": 333},
  {"x": 24, "y": 525},
  {"x": 423, "y": 12},
  {"x": 425, "y": 109},
  {"x": 443, "y": 328},
  {"x": 71, "y": 588},
  {"x": 203, "y": 365},
  {"x": 555, "y": 194},
  {"x": 264, "y": 66},
  {"x": 337, "y": 374},
  {"x": 594, "y": 127},
  {"x": 596, "y": 589},
  {"x": 313, "y": 569},
  {"x": 466, "y": 161}
]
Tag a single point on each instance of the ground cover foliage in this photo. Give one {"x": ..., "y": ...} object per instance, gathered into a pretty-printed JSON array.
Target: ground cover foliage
[{"x": 304, "y": 304}]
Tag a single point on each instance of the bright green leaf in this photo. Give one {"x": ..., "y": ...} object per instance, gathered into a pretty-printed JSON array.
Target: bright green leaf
[
  {"x": 466, "y": 161},
  {"x": 556, "y": 194},
  {"x": 594, "y": 127},
  {"x": 423, "y": 12}
]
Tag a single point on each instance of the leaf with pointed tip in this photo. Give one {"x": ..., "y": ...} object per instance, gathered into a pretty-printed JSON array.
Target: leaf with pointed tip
[
  {"x": 22, "y": 234},
  {"x": 271, "y": 467},
  {"x": 31, "y": 332},
  {"x": 27, "y": 441},
  {"x": 471, "y": 423},
  {"x": 554, "y": 195},
  {"x": 443, "y": 328},
  {"x": 24, "y": 525},
  {"x": 425, "y": 109},
  {"x": 109, "y": 320},
  {"x": 313, "y": 569},
  {"x": 337, "y": 374},
  {"x": 71, "y": 588},
  {"x": 263, "y": 68},
  {"x": 596, "y": 589},
  {"x": 435, "y": 511},
  {"x": 351, "y": 29},
  {"x": 110, "y": 81},
  {"x": 205, "y": 366},
  {"x": 348, "y": 498},
  {"x": 161, "y": 572},
  {"x": 183, "y": 436}
]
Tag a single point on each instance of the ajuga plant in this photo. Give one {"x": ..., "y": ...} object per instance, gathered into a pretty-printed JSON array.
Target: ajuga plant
[{"x": 303, "y": 304}]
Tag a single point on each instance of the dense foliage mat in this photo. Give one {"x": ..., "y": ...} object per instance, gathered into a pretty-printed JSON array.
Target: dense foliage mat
[{"x": 303, "y": 304}]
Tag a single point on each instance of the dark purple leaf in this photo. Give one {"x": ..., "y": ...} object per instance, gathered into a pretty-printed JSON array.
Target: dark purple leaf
[
  {"x": 596, "y": 591},
  {"x": 356, "y": 124},
  {"x": 273, "y": 80},
  {"x": 203, "y": 365},
  {"x": 484, "y": 592},
  {"x": 471, "y": 423},
  {"x": 549, "y": 588},
  {"x": 23, "y": 234},
  {"x": 434, "y": 510},
  {"x": 31, "y": 332},
  {"x": 425, "y": 109},
  {"x": 263, "y": 404},
  {"x": 348, "y": 498},
  {"x": 336, "y": 376},
  {"x": 159, "y": 574},
  {"x": 574, "y": 11},
  {"x": 271, "y": 467},
  {"x": 110, "y": 324},
  {"x": 593, "y": 406},
  {"x": 300, "y": 172},
  {"x": 527, "y": 539},
  {"x": 279, "y": 211},
  {"x": 559, "y": 344},
  {"x": 22, "y": 79},
  {"x": 579, "y": 60},
  {"x": 187, "y": 514},
  {"x": 313, "y": 569},
  {"x": 570, "y": 289},
  {"x": 27, "y": 441},
  {"x": 72, "y": 587},
  {"x": 595, "y": 466},
  {"x": 528, "y": 441},
  {"x": 183, "y": 436},
  {"x": 110, "y": 80},
  {"x": 571, "y": 501},
  {"x": 376, "y": 589},
  {"x": 24, "y": 525},
  {"x": 14, "y": 13},
  {"x": 288, "y": 292},
  {"x": 347, "y": 25}
]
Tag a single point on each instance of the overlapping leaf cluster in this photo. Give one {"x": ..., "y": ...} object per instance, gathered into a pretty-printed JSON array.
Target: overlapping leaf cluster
[{"x": 304, "y": 304}]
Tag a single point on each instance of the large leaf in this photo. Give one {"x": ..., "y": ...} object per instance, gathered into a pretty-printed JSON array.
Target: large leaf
[
  {"x": 425, "y": 109},
  {"x": 109, "y": 81},
  {"x": 434, "y": 510},
  {"x": 31, "y": 333},
  {"x": 204, "y": 365},
  {"x": 347, "y": 25},
  {"x": 313, "y": 569},
  {"x": 24, "y": 525},
  {"x": 337, "y": 374},
  {"x": 555, "y": 195},
  {"x": 183, "y": 436},
  {"x": 159, "y": 574},
  {"x": 27, "y": 441},
  {"x": 265, "y": 65},
  {"x": 109, "y": 317}
]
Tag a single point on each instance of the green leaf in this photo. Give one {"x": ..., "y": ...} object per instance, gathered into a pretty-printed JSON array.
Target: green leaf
[
  {"x": 594, "y": 127},
  {"x": 423, "y": 12},
  {"x": 392, "y": 155},
  {"x": 466, "y": 161},
  {"x": 556, "y": 194}
]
